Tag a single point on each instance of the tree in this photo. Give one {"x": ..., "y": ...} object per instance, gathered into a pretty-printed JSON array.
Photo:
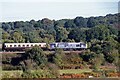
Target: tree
[
  {"x": 36, "y": 54},
  {"x": 61, "y": 34},
  {"x": 96, "y": 48},
  {"x": 69, "y": 24},
  {"x": 33, "y": 36},
  {"x": 5, "y": 35},
  {"x": 17, "y": 37},
  {"x": 92, "y": 22},
  {"x": 77, "y": 34},
  {"x": 97, "y": 61},
  {"x": 80, "y": 22},
  {"x": 47, "y": 23},
  {"x": 57, "y": 59},
  {"x": 100, "y": 32}
]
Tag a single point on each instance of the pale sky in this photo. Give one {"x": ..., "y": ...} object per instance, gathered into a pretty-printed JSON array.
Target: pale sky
[{"x": 15, "y": 10}]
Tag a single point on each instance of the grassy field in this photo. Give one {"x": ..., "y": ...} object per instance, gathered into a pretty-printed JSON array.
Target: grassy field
[
  {"x": 74, "y": 71},
  {"x": 0, "y": 72},
  {"x": 18, "y": 72},
  {"x": 11, "y": 74}
]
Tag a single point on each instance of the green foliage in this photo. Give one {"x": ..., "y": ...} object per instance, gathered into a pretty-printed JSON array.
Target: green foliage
[
  {"x": 80, "y": 22},
  {"x": 36, "y": 54},
  {"x": 92, "y": 22},
  {"x": 70, "y": 24},
  {"x": 78, "y": 35},
  {"x": 99, "y": 32},
  {"x": 57, "y": 59},
  {"x": 44, "y": 30},
  {"x": 17, "y": 37},
  {"x": 61, "y": 34}
]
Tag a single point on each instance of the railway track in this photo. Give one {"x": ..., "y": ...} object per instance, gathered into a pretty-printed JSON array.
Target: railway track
[
  {"x": 22, "y": 52},
  {"x": 12, "y": 52}
]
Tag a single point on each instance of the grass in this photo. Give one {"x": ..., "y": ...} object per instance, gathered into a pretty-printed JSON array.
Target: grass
[
  {"x": 60, "y": 71},
  {"x": 11, "y": 74},
  {"x": 74, "y": 71},
  {"x": 0, "y": 72}
]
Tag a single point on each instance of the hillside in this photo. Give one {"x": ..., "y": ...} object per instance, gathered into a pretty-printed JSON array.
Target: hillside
[{"x": 100, "y": 33}]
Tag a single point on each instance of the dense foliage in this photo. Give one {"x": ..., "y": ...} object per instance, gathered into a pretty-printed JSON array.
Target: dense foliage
[
  {"x": 46, "y": 30},
  {"x": 100, "y": 33}
]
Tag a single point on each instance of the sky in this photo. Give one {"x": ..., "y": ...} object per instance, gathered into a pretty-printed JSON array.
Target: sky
[{"x": 21, "y": 10}]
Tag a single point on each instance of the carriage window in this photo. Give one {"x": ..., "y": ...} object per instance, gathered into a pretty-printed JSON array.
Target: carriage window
[
  {"x": 18, "y": 45},
  {"x": 10, "y": 45},
  {"x": 66, "y": 44},
  {"x": 23, "y": 45},
  {"x": 44, "y": 45},
  {"x": 31, "y": 45},
  {"x": 27, "y": 45},
  {"x": 14, "y": 45},
  {"x": 39, "y": 45}
]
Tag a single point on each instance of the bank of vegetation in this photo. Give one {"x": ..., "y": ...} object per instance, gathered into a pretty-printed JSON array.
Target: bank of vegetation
[{"x": 100, "y": 33}]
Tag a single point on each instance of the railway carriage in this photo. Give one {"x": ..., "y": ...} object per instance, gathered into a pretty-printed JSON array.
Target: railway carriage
[{"x": 21, "y": 46}]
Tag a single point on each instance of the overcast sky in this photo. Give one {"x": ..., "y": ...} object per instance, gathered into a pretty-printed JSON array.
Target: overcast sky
[{"x": 15, "y": 10}]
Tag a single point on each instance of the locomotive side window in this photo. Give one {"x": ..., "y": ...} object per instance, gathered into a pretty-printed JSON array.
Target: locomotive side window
[{"x": 77, "y": 45}]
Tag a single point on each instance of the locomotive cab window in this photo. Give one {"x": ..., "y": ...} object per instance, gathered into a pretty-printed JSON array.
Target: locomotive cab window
[{"x": 82, "y": 45}]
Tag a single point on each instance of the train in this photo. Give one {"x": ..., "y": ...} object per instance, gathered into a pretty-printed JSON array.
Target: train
[{"x": 52, "y": 46}]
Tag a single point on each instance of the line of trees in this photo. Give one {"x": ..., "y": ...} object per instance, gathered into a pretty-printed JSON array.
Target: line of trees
[{"x": 46, "y": 30}]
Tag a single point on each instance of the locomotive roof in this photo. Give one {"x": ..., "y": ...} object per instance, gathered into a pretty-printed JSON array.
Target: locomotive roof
[{"x": 68, "y": 42}]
